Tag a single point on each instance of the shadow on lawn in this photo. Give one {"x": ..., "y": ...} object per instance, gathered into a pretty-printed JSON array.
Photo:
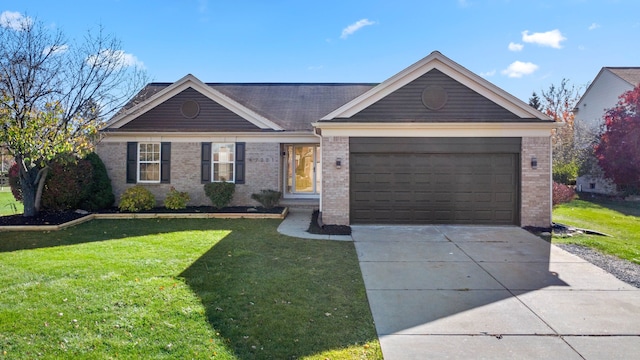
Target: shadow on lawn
[
  {"x": 629, "y": 208},
  {"x": 276, "y": 297},
  {"x": 98, "y": 230}
]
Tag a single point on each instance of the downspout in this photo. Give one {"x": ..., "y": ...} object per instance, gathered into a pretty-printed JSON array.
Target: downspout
[{"x": 318, "y": 132}]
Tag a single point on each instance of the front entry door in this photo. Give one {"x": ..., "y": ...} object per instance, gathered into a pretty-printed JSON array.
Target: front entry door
[{"x": 303, "y": 170}]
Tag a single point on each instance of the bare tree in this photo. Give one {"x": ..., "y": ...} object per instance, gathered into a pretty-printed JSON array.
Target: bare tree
[
  {"x": 54, "y": 93},
  {"x": 558, "y": 102}
]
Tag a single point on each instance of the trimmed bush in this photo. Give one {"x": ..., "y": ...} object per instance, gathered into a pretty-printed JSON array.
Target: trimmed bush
[
  {"x": 100, "y": 195},
  {"x": 67, "y": 185},
  {"x": 562, "y": 193},
  {"x": 14, "y": 182},
  {"x": 220, "y": 193},
  {"x": 137, "y": 198},
  {"x": 267, "y": 198},
  {"x": 176, "y": 200}
]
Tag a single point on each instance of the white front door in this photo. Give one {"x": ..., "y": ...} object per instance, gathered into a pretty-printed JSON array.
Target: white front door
[{"x": 303, "y": 169}]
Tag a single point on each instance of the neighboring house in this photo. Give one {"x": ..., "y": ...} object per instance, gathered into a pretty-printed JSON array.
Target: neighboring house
[
  {"x": 434, "y": 144},
  {"x": 602, "y": 94}
]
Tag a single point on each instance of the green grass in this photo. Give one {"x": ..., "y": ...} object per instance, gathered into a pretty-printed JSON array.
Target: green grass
[
  {"x": 617, "y": 218},
  {"x": 8, "y": 205},
  {"x": 181, "y": 289}
]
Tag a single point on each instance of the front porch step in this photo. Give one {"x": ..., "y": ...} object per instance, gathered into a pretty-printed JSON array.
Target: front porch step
[{"x": 301, "y": 203}]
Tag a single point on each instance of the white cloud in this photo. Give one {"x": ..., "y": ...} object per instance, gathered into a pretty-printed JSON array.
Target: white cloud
[
  {"x": 488, "y": 73},
  {"x": 463, "y": 3},
  {"x": 355, "y": 27},
  {"x": 315, "y": 67},
  {"x": 515, "y": 47},
  {"x": 115, "y": 59},
  {"x": 14, "y": 20},
  {"x": 517, "y": 69},
  {"x": 56, "y": 49},
  {"x": 550, "y": 38},
  {"x": 594, "y": 26}
]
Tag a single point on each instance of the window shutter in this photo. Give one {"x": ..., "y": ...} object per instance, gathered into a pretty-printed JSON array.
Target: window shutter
[
  {"x": 205, "y": 167},
  {"x": 165, "y": 162},
  {"x": 132, "y": 162},
  {"x": 240, "y": 163}
]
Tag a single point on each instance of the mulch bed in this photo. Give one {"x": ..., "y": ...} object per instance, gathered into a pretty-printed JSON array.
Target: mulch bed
[
  {"x": 315, "y": 228},
  {"x": 43, "y": 218},
  {"x": 61, "y": 217}
]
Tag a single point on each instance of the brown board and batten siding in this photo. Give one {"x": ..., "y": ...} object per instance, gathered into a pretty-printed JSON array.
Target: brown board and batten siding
[
  {"x": 462, "y": 104},
  {"x": 435, "y": 180},
  {"x": 168, "y": 116}
]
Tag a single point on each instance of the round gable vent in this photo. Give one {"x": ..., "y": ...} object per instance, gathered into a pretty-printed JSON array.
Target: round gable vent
[
  {"x": 434, "y": 97},
  {"x": 190, "y": 109}
]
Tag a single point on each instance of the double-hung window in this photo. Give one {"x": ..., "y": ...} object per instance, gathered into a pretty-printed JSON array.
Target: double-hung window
[
  {"x": 149, "y": 162},
  {"x": 224, "y": 163}
]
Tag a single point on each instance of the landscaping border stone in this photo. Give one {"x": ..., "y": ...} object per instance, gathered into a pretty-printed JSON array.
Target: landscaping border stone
[{"x": 100, "y": 216}]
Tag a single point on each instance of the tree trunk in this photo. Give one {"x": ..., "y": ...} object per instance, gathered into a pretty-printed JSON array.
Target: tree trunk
[
  {"x": 40, "y": 179},
  {"x": 28, "y": 195},
  {"x": 28, "y": 185}
]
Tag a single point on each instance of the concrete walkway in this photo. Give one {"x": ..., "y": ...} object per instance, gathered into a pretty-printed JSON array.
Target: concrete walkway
[
  {"x": 470, "y": 292},
  {"x": 297, "y": 222}
]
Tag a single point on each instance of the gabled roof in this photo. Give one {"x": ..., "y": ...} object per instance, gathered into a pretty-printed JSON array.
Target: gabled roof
[
  {"x": 287, "y": 106},
  {"x": 436, "y": 60},
  {"x": 159, "y": 96},
  {"x": 628, "y": 74}
]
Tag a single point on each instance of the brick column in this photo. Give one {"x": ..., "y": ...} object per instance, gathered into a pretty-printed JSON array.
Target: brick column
[
  {"x": 536, "y": 183},
  {"x": 335, "y": 182}
]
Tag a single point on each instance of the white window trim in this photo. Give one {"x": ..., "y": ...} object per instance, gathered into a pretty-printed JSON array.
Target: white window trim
[
  {"x": 159, "y": 162},
  {"x": 214, "y": 162}
]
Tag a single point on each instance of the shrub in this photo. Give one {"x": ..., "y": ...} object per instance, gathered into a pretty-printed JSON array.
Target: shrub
[
  {"x": 566, "y": 173},
  {"x": 176, "y": 200},
  {"x": 100, "y": 195},
  {"x": 220, "y": 193},
  {"x": 14, "y": 182},
  {"x": 67, "y": 185},
  {"x": 267, "y": 198},
  {"x": 137, "y": 198},
  {"x": 562, "y": 193}
]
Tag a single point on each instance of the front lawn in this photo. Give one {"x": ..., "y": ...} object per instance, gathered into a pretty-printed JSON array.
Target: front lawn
[
  {"x": 178, "y": 289},
  {"x": 617, "y": 218},
  {"x": 9, "y": 205}
]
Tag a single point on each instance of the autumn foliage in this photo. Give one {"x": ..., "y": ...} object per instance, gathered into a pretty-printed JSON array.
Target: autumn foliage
[
  {"x": 562, "y": 193},
  {"x": 618, "y": 152}
]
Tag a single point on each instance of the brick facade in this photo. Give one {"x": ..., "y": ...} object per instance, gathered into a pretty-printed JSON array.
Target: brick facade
[
  {"x": 262, "y": 163},
  {"x": 536, "y": 183},
  {"x": 335, "y": 182}
]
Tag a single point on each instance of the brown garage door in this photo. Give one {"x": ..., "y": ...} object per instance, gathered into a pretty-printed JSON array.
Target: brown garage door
[{"x": 434, "y": 180}]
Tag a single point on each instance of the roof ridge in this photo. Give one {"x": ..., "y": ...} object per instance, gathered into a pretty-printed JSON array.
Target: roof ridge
[{"x": 273, "y": 84}]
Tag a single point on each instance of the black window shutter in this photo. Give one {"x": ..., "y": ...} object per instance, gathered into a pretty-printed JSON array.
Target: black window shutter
[
  {"x": 240, "y": 162},
  {"x": 132, "y": 162},
  {"x": 205, "y": 167},
  {"x": 165, "y": 162}
]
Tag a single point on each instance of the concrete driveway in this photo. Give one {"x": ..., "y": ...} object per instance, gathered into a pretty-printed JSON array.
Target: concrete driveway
[{"x": 474, "y": 292}]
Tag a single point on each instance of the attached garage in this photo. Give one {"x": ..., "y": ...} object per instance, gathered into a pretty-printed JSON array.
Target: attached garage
[
  {"x": 436, "y": 144},
  {"x": 434, "y": 180}
]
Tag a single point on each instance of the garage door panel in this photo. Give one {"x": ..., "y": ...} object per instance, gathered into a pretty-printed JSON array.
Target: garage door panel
[{"x": 423, "y": 188}]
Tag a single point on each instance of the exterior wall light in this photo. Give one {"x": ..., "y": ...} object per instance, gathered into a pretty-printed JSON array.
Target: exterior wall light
[
  {"x": 338, "y": 163},
  {"x": 534, "y": 162}
]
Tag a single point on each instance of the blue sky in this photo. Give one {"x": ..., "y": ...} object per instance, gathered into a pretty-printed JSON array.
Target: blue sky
[{"x": 520, "y": 45}]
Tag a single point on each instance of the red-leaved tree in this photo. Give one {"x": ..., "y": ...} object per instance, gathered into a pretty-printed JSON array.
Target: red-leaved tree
[{"x": 618, "y": 152}]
